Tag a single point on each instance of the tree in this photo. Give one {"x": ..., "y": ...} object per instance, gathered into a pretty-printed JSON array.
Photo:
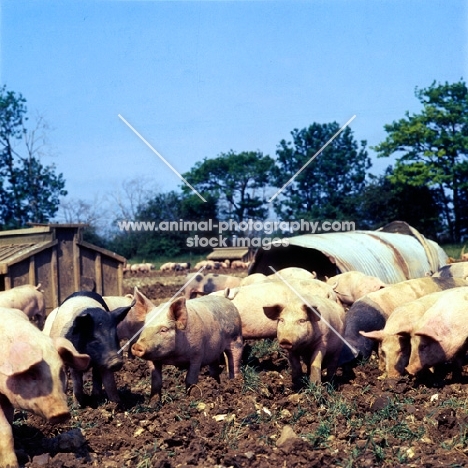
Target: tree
[
  {"x": 91, "y": 214},
  {"x": 328, "y": 186},
  {"x": 162, "y": 209},
  {"x": 29, "y": 191},
  {"x": 237, "y": 181},
  {"x": 383, "y": 201},
  {"x": 433, "y": 150}
]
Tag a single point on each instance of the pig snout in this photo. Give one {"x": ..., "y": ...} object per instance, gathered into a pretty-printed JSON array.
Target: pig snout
[
  {"x": 138, "y": 350},
  {"x": 59, "y": 418},
  {"x": 115, "y": 363},
  {"x": 285, "y": 344}
]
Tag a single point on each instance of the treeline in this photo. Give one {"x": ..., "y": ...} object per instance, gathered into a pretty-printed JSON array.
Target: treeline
[{"x": 427, "y": 186}]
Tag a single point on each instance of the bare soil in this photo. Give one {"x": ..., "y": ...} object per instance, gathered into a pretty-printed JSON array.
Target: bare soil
[{"x": 257, "y": 420}]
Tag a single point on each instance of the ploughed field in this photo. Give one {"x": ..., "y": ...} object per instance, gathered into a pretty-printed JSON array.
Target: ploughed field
[{"x": 257, "y": 420}]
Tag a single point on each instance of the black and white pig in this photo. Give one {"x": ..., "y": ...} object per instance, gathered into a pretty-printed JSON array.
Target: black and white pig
[{"x": 84, "y": 319}]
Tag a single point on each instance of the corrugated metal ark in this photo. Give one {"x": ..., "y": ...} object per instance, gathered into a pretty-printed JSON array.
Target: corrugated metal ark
[{"x": 390, "y": 256}]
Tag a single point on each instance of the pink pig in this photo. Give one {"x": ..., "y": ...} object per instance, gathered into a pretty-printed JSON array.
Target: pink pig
[
  {"x": 191, "y": 333},
  {"x": 352, "y": 285},
  {"x": 32, "y": 376},
  {"x": 250, "y": 301},
  {"x": 394, "y": 338},
  {"x": 27, "y": 298},
  {"x": 310, "y": 330},
  {"x": 441, "y": 334}
]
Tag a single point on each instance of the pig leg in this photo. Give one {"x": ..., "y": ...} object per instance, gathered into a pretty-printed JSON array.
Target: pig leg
[
  {"x": 77, "y": 380},
  {"x": 314, "y": 365},
  {"x": 193, "y": 372},
  {"x": 332, "y": 365},
  {"x": 97, "y": 382},
  {"x": 296, "y": 369},
  {"x": 7, "y": 446},
  {"x": 109, "y": 385},
  {"x": 156, "y": 381},
  {"x": 214, "y": 371},
  {"x": 234, "y": 357}
]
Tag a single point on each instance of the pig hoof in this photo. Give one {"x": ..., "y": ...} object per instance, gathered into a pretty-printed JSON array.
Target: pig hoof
[
  {"x": 189, "y": 390},
  {"x": 155, "y": 401}
]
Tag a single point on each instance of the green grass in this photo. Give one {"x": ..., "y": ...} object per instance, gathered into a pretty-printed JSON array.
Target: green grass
[{"x": 454, "y": 250}]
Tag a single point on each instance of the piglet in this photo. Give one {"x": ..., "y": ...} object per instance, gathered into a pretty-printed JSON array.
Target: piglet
[
  {"x": 85, "y": 320},
  {"x": 310, "y": 330},
  {"x": 191, "y": 333},
  {"x": 32, "y": 376}
]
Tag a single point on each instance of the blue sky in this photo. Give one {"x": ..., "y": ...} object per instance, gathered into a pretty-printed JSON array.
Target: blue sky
[{"x": 200, "y": 78}]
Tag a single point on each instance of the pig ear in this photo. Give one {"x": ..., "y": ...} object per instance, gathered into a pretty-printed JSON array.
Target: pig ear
[
  {"x": 403, "y": 333},
  {"x": 374, "y": 335},
  {"x": 273, "y": 312},
  {"x": 178, "y": 311},
  {"x": 313, "y": 312},
  {"x": 121, "y": 312},
  {"x": 429, "y": 333},
  {"x": 230, "y": 293},
  {"x": 21, "y": 357},
  {"x": 142, "y": 305},
  {"x": 69, "y": 355}
]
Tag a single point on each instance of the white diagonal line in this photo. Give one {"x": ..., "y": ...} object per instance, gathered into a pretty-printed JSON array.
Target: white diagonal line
[
  {"x": 312, "y": 158},
  {"x": 329, "y": 325},
  {"x": 159, "y": 155},
  {"x": 161, "y": 310}
]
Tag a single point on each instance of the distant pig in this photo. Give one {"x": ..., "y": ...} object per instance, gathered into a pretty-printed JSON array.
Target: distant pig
[
  {"x": 32, "y": 376},
  {"x": 352, "y": 285},
  {"x": 310, "y": 330},
  {"x": 201, "y": 285},
  {"x": 394, "y": 339},
  {"x": 441, "y": 334},
  {"x": 372, "y": 311},
  {"x": 191, "y": 333},
  {"x": 85, "y": 320},
  {"x": 27, "y": 298}
]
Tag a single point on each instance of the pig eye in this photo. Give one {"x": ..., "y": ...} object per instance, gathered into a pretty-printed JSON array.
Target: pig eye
[
  {"x": 302, "y": 320},
  {"x": 281, "y": 320},
  {"x": 163, "y": 329}
]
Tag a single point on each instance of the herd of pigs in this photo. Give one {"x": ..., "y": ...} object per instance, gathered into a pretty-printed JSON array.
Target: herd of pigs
[
  {"x": 413, "y": 325},
  {"x": 176, "y": 266}
]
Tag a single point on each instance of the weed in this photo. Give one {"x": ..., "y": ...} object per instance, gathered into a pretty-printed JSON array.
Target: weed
[
  {"x": 320, "y": 435},
  {"x": 251, "y": 379},
  {"x": 298, "y": 414},
  {"x": 263, "y": 348}
]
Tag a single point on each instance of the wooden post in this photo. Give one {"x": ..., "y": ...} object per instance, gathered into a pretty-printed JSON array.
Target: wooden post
[
  {"x": 54, "y": 284},
  {"x": 32, "y": 270},
  {"x": 76, "y": 264},
  {"x": 98, "y": 272},
  {"x": 120, "y": 278},
  {"x": 7, "y": 281}
]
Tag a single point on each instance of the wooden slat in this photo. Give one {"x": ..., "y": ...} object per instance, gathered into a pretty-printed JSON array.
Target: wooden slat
[{"x": 98, "y": 272}]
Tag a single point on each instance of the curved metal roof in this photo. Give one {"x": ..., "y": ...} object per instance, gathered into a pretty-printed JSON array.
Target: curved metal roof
[{"x": 390, "y": 256}]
